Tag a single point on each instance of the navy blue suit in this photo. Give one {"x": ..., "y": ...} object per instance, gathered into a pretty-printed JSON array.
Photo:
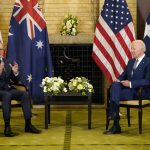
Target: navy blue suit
[
  {"x": 8, "y": 92},
  {"x": 140, "y": 77}
]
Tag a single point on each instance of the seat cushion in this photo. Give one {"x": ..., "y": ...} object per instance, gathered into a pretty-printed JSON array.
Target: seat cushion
[
  {"x": 13, "y": 102},
  {"x": 134, "y": 102}
]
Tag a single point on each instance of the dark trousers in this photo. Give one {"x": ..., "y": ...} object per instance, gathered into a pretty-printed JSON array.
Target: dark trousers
[
  {"x": 119, "y": 92},
  {"x": 7, "y": 96}
]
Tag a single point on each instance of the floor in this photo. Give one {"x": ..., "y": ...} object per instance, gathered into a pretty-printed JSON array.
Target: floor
[{"x": 68, "y": 131}]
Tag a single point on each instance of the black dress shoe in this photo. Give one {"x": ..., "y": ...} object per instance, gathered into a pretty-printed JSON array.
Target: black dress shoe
[
  {"x": 8, "y": 132},
  {"x": 32, "y": 129},
  {"x": 113, "y": 130}
]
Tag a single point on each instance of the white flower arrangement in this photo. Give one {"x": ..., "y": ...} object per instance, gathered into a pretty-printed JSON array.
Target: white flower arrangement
[
  {"x": 54, "y": 85},
  {"x": 69, "y": 25},
  {"x": 80, "y": 85}
]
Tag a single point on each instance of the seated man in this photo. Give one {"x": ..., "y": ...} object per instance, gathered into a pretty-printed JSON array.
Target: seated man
[
  {"x": 7, "y": 92},
  {"x": 136, "y": 74}
]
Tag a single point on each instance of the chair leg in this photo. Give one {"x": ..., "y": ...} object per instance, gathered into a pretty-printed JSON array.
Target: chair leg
[
  {"x": 49, "y": 111},
  {"x": 128, "y": 116},
  {"x": 140, "y": 120}
]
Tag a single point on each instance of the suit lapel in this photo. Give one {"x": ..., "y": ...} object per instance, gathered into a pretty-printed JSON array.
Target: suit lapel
[{"x": 141, "y": 65}]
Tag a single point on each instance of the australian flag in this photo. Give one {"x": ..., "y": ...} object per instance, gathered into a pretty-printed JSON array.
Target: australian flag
[
  {"x": 147, "y": 36},
  {"x": 28, "y": 45}
]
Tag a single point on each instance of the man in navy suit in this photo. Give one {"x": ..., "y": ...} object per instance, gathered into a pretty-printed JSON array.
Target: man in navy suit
[
  {"x": 10, "y": 72},
  {"x": 136, "y": 74}
]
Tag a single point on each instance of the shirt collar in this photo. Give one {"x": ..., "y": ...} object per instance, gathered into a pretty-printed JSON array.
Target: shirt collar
[{"x": 140, "y": 58}]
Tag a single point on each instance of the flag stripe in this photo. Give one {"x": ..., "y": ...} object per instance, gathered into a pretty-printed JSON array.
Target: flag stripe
[
  {"x": 123, "y": 44},
  {"x": 111, "y": 43},
  {"x": 129, "y": 31},
  {"x": 108, "y": 54},
  {"x": 102, "y": 67}
]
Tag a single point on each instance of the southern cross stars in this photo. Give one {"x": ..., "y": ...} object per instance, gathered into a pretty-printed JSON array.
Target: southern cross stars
[
  {"x": 39, "y": 44},
  {"x": 29, "y": 78}
]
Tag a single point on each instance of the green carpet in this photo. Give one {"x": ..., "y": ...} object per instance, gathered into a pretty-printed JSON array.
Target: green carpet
[{"x": 68, "y": 131}]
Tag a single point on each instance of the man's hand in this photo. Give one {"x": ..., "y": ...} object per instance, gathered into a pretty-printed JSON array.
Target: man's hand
[
  {"x": 1, "y": 67},
  {"x": 15, "y": 68},
  {"x": 126, "y": 83},
  {"x": 116, "y": 80}
]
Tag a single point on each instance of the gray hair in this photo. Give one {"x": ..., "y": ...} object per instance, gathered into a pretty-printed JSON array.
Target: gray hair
[{"x": 141, "y": 45}]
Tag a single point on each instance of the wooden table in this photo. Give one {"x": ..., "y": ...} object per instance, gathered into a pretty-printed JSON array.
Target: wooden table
[{"x": 52, "y": 100}]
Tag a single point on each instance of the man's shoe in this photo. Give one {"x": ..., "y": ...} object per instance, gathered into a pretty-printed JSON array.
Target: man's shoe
[
  {"x": 113, "y": 130},
  {"x": 32, "y": 129},
  {"x": 8, "y": 132}
]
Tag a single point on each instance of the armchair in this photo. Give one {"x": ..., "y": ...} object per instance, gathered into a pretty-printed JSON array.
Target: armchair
[{"x": 139, "y": 104}]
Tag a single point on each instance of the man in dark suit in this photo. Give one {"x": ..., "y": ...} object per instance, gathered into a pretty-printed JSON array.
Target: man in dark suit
[
  {"x": 10, "y": 72},
  {"x": 136, "y": 74}
]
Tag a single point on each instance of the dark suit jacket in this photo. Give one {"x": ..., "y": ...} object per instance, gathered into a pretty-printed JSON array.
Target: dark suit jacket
[
  {"x": 141, "y": 75},
  {"x": 7, "y": 77}
]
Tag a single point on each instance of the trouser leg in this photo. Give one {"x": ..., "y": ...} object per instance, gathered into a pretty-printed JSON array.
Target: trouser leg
[
  {"x": 6, "y": 106},
  {"x": 25, "y": 102},
  {"x": 114, "y": 98}
]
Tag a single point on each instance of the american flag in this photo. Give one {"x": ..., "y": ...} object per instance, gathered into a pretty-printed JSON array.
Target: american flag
[
  {"x": 147, "y": 36},
  {"x": 28, "y": 45},
  {"x": 113, "y": 36}
]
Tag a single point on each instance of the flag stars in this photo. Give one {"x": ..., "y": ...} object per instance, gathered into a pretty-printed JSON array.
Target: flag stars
[
  {"x": 147, "y": 29},
  {"x": 39, "y": 44},
  {"x": 29, "y": 78}
]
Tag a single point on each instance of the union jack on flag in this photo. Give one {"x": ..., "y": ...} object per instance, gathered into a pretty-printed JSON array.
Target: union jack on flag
[
  {"x": 113, "y": 36},
  {"x": 28, "y": 45}
]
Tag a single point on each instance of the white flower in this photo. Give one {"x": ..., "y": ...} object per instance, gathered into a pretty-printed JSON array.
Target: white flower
[
  {"x": 69, "y": 25},
  {"x": 53, "y": 85},
  {"x": 56, "y": 85}
]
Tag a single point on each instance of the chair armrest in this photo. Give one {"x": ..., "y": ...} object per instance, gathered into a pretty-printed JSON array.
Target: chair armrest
[{"x": 20, "y": 87}]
